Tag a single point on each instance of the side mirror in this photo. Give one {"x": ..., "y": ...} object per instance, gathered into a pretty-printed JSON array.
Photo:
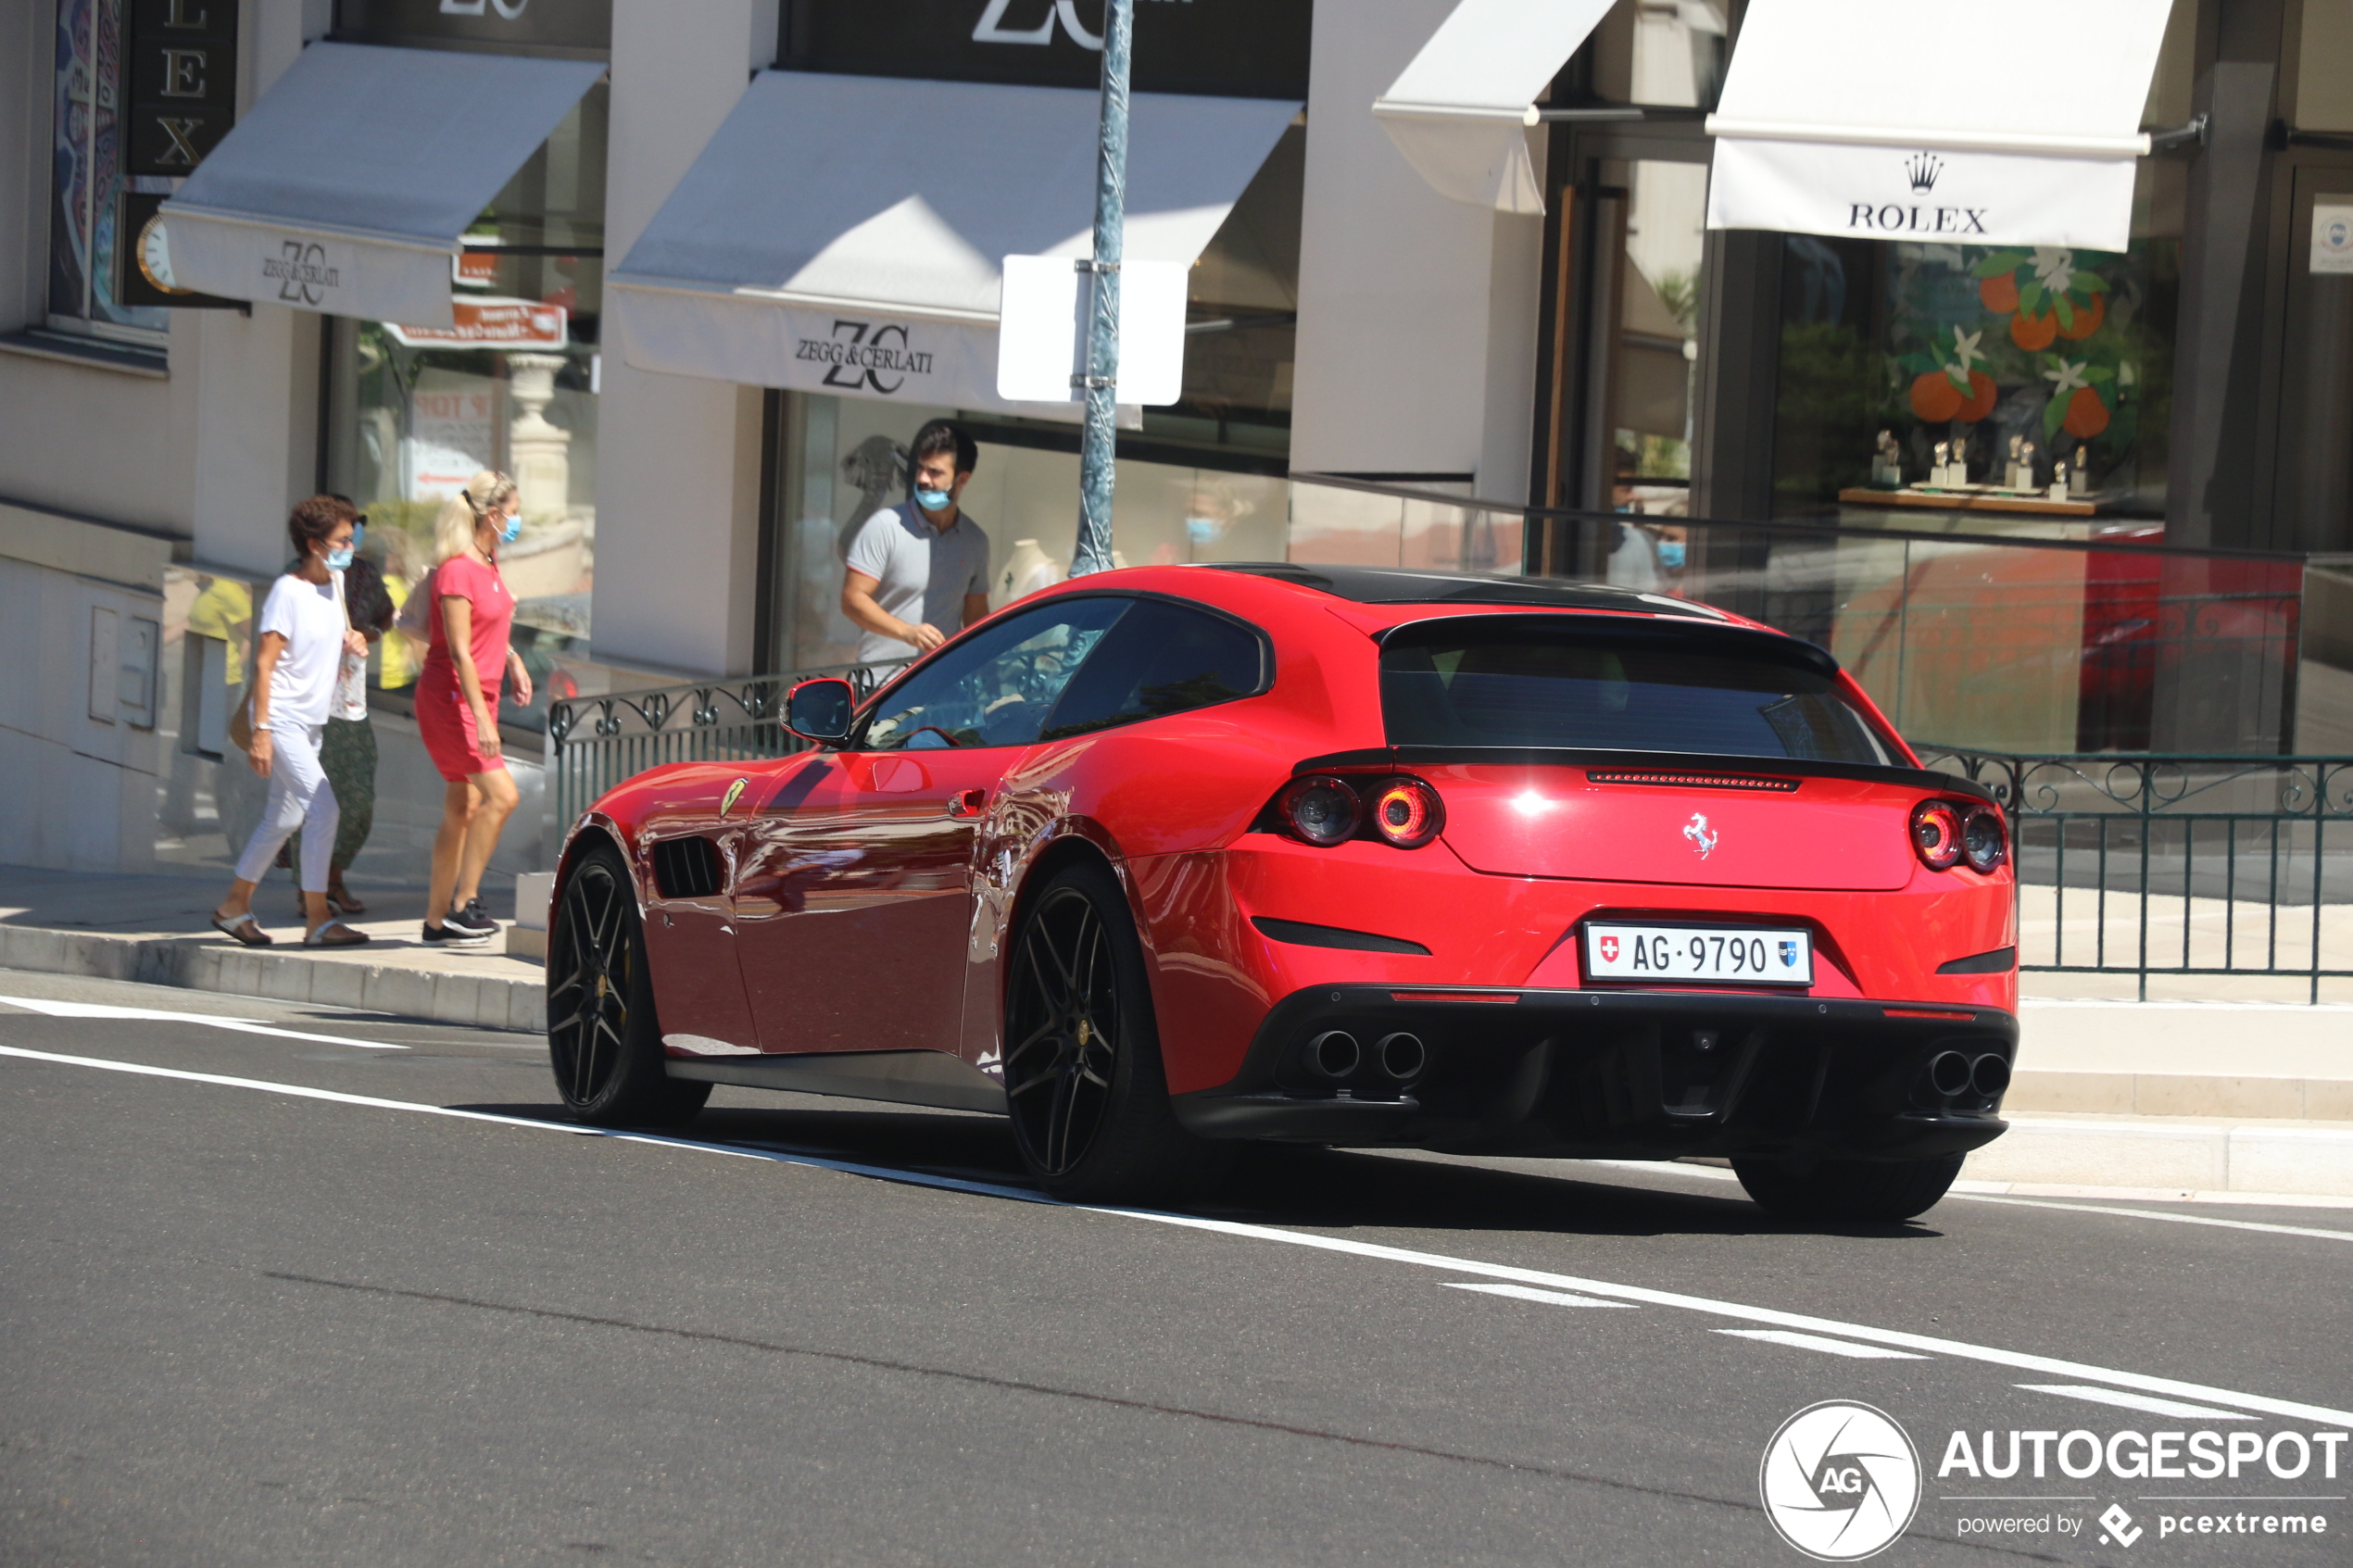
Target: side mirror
[{"x": 820, "y": 709}]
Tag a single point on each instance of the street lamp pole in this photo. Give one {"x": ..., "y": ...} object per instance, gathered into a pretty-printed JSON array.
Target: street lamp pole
[{"x": 1098, "y": 443}]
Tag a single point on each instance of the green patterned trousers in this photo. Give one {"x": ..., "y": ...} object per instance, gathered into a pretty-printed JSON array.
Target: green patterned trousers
[{"x": 347, "y": 756}]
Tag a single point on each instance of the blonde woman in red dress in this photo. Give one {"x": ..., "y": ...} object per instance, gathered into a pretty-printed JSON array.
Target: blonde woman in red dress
[{"x": 458, "y": 702}]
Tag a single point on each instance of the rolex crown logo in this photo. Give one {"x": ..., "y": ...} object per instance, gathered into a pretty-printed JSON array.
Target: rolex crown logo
[{"x": 1922, "y": 169}]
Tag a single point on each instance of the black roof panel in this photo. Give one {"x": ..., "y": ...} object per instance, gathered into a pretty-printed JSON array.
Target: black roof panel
[{"x": 1395, "y": 586}]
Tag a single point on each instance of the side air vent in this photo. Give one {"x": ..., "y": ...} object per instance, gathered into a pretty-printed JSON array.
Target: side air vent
[{"x": 687, "y": 868}]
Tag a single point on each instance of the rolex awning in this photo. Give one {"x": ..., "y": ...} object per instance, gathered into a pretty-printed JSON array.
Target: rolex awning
[
  {"x": 1460, "y": 112},
  {"x": 346, "y": 188},
  {"x": 1904, "y": 120},
  {"x": 846, "y": 234}
]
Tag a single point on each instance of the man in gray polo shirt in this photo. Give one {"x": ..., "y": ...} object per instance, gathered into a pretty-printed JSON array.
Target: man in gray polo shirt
[{"x": 918, "y": 572}]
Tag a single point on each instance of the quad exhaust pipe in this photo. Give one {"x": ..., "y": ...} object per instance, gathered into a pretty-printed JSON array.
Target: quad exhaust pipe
[
  {"x": 1990, "y": 1076},
  {"x": 1401, "y": 1055},
  {"x": 1336, "y": 1054},
  {"x": 1948, "y": 1074},
  {"x": 1952, "y": 1075}
]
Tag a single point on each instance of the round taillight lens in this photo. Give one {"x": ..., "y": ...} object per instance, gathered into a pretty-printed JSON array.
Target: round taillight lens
[
  {"x": 1320, "y": 809},
  {"x": 1983, "y": 843},
  {"x": 1407, "y": 812},
  {"x": 1936, "y": 834}
]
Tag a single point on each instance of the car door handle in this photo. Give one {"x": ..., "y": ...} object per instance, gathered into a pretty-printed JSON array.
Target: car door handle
[{"x": 968, "y": 803}]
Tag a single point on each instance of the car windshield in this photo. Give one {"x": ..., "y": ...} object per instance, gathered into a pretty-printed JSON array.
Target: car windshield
[{"x": 1529, "y": 681}]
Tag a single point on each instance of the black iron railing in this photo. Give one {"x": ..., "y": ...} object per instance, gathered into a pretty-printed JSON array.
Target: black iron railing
[
  {"x": 2128, "y": 864},
  {"x": 596, "y": 742},
  {"x": 2142, "y": 865}
]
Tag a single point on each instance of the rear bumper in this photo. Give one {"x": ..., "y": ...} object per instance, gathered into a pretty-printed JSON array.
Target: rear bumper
[{"x": 1619, "y": 1074}]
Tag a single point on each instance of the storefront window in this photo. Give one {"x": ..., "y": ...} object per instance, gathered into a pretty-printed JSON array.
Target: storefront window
[
  {"x": 1653, "y": 353},
  {"x": 2016, "y": 388},
  {"x": 1242, "y": 317},
  {"x": 1668, "y": 53},
  {"x": 88, "y": 184},
  {"x": 2030, "y": 384},
  {"x": 847, "y": 458},
  {"x": 416, "y": 411}
]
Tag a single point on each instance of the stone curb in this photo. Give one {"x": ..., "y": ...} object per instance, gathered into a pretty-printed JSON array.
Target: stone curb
[
  {"x": 2274, "y": 1157},
  {"x": 200, "y": 963},
  {"x": 2251, "y": 1096}
]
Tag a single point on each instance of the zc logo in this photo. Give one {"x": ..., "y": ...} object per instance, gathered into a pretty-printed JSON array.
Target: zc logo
[
  {"x": 862, "y": 354},
  {"x": 302, "y": 272},
  {"x": 992, "y": 28}
]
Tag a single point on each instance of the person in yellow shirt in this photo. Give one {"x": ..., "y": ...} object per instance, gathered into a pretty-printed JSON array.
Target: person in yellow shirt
[{"x": 224, "y": 610}]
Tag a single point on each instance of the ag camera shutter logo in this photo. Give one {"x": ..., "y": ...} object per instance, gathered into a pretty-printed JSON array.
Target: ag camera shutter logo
[{"x": 1840, "y": 1481}]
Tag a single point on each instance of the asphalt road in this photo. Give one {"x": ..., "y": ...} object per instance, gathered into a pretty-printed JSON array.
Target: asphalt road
[{"x": 275, "y": 1299}]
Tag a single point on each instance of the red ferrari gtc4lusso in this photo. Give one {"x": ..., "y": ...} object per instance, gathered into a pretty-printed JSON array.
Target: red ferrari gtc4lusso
[{"x": 1167, "y": 858}]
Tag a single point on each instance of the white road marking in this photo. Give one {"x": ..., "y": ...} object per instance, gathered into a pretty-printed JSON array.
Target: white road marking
[
  {"x": 1526, "y": 1293},
  {"x": 210, "y": 1021},
  {"x": 1709, "y": 1173},
  {"x": 2324, "y": 1233},
  {"x": 2133, "y": 1401},
  {"x": 1828, "y": 1347},
  {"x": 1927, "y": 1345}
]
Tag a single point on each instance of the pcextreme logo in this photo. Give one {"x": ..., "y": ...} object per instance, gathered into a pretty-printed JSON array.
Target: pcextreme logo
[{"x": 1840, "y": 1481}]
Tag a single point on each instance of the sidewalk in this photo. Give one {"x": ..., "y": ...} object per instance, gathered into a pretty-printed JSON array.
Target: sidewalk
[
  {"x": 157, "y": 930},
  {"x": 2214, "y": 1097}
]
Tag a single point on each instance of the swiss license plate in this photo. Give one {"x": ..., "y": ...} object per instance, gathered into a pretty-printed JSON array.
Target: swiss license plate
[{"x": 1742, "y": 955}]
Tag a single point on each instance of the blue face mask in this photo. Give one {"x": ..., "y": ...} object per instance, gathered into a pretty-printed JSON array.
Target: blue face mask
[
  {"x": 1670, "y": 554},
  {"x": 359, "y": 537},
  {"x": 339, "y": 560},
  {"x": 1201, "y": 530},
  {"x": 933, "y": 500},
  {"x": 510, "y": 529}
]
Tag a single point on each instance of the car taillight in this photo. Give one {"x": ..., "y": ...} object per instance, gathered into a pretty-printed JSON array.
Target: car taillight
[
  {"x": 1936, "y": 834},
  {"x": 1407, "y": 812},
  {"x": 1320, "y": 809},
  {"x": 1983, "y": 843}
]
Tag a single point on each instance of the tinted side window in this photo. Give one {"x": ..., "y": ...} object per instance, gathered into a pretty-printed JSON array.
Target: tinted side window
[
  {"x": 997, "y": 688},
  {"x": 1163, "y": 658}
]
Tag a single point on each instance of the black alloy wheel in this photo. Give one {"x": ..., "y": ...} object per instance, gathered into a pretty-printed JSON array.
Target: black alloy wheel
[
  {"x": 603, "y": 1039},
  {"x": 1083, "y": 1075}
]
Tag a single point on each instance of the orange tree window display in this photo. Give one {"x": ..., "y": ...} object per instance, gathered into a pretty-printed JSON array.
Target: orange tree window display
[{"x": 1985, "y": 344}]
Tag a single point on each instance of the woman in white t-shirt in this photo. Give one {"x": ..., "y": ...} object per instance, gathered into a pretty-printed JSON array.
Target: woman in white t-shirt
[{"x": 303, "y": 635}]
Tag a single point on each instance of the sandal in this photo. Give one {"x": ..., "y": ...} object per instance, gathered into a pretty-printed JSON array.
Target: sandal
[
  {"x": 245, "y": 928},
  {"x": 341, "y": 901},
  {"x": 335, "y": 934}
]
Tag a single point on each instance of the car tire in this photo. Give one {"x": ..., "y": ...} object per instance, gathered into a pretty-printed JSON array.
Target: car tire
[
  {"x": 604, "y": 1040},
  {"x": 1880, "y": 1191},
  {"x": 1084, "y": 1079}
]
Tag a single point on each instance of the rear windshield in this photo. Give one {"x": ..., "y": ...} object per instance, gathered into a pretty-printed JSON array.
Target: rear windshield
[{"x": 1529, "y": 681}]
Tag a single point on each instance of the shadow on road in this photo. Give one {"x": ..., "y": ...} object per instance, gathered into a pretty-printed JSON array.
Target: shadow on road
[{"x": 1314, "y": 1188}]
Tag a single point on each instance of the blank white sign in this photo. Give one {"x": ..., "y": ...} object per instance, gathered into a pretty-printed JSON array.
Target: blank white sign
[{"x": 1041, "y": 332}]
